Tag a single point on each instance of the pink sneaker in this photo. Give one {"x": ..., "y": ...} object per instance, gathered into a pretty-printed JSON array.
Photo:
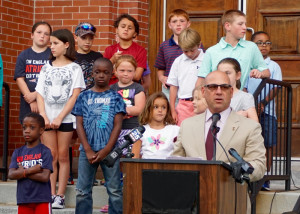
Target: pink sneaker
[{"x": 104, "y": 209}]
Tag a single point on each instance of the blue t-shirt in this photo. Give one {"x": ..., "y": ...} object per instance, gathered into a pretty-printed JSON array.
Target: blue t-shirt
[
  {"x": 98, "y": 110},
  {"x": 30, "y": 191},
  {"x": 28, "y": 65},
  {"x": 253, "y": 83}
]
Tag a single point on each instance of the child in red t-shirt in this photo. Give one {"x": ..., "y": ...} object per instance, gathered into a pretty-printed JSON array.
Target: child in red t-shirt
[{"x": 127, "y": 28}]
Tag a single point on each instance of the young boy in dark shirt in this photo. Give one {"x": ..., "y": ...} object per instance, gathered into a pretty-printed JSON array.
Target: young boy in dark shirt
[{"x": 31, "y": 165}]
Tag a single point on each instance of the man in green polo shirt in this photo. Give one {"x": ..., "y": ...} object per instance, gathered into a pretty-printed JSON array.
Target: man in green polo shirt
[{"x": 233, "y": 45}]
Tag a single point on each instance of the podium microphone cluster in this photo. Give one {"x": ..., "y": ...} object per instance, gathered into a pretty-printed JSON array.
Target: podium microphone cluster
[
  {"x": 133, "y": 136},
  {"x": 240, "y": 169}
]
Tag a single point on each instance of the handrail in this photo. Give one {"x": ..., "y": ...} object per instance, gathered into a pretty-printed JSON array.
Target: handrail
[
  {"x": 279, "y": 155},
  {"x": 4, "y": 168}
]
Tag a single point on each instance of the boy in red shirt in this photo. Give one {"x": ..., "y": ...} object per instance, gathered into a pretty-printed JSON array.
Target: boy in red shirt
[{"x": 127, "y": 28}]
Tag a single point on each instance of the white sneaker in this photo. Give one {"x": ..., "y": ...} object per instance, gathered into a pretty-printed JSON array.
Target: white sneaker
[
  {"x": 59, "y": 202},
  {"x": 53, "y": 198}
]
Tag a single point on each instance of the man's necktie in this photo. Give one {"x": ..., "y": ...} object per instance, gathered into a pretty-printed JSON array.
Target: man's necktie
[{"x": 209, "y": 144}]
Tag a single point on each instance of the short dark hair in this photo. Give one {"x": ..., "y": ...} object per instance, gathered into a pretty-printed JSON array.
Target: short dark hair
[
  {"x": 39, "y": 119},
  {"x": 34, "y": 27},
  {"x": 105, "y": 61},
  {"x": 257, "y": 33},
  {"x": 130, "y": 18},
  {"x": 65, "y": 36}
]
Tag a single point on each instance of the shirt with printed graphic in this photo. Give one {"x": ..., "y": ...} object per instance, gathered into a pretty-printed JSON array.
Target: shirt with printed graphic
[
  {"x": 28, "y": 65},
  {"x": 56, "y": 85},
  {"x": 98, "y": 110},
  {"x": 86, "y": 62},
  {"x": 128, "y": 93},
  {"x": 158, "y": 143},
  {"x": 30, "y": 191}
]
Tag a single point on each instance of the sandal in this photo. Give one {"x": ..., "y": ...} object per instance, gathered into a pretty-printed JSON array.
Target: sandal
[{"x": 104, "y": 209}]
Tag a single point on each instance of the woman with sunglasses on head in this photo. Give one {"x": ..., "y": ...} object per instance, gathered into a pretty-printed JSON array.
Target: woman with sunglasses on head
[
  {"x": 241, "y": 102},
  {"x": 28, "y": 66}
]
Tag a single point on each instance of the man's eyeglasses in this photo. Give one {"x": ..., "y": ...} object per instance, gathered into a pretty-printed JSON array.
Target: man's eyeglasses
[
  {"x": 86, "y": 27},
  {"x": 214, "y": 87},
  {"x": 263, "y": 43}
]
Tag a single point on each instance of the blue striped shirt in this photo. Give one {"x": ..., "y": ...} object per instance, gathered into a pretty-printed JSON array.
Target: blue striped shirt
[{"x": 167, "y": 53}]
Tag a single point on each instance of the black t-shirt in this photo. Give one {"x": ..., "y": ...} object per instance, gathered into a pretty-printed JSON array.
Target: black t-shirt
[
  {"x": 128, "y": 94},
  {"x": 86, "y": 62},
  {"x": 28, "y": 65}
]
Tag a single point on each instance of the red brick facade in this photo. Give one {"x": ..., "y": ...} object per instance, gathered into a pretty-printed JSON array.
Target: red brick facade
[{"x": 18, "y": 16}]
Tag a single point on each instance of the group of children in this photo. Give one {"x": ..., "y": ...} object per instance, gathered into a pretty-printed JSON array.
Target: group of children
[{"x": 103, "y": 99}]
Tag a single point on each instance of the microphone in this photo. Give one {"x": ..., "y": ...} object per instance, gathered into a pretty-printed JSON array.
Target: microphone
[
  {"x": 240, "y": 169},
  {"x": 214, "y": 130},
  {"x": 133, "y": 136},
  {"x": 247, "y": 168},
  {"x": 215, "y": 118},
  {"x": 235, "y": 154}
]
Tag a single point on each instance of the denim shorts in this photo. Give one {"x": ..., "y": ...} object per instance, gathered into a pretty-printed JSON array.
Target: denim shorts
[{"x": 269, "y": 129}]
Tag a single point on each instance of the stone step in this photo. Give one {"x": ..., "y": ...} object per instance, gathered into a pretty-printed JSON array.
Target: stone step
[
  {"x": 100, "y": 197},
  {"x": 4, "y": 209},
  {"x": 284, "y": 201}
]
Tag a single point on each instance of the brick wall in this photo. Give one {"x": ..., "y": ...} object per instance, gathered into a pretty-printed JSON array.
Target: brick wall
[
  {"x": 18, "y": 16},
  {"x": 15, "y": 30}
]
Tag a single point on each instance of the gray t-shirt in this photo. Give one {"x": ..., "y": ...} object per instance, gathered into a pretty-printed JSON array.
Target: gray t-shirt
[{"x": 242, "y": 101}]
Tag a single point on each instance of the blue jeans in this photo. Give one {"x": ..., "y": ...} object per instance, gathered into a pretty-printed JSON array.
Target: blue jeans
[
  {"x": 269, "y": 129},
  {"x": 84, "y": 187}
]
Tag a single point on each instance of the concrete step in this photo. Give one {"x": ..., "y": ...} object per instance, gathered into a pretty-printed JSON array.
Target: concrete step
[
  {"x": 100, "y": 197},
  {"x": 4, "y": 209},
  {"x": 283, "y": 201}
]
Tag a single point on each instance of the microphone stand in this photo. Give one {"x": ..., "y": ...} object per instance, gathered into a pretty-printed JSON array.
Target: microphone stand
[{"x": 215, "y": 129}]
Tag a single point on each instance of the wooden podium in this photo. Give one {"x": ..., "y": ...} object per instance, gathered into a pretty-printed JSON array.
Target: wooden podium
[{"x": 216, "y": 185}]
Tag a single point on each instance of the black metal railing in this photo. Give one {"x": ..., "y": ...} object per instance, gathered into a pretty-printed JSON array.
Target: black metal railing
[
  {"x": 273, "y": 101},
  {"x": 4, "y": 168}
]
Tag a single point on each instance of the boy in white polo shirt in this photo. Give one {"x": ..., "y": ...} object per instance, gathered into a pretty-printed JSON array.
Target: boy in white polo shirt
[{"x": 183, "y": 75}]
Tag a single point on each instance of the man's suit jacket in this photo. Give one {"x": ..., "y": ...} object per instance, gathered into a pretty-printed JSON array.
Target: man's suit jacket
[{"x": 240, "y": 133}]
